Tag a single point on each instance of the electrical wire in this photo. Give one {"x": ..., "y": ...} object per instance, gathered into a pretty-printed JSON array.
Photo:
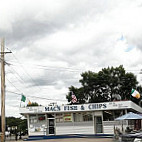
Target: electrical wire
[
  {"x": 49, "y": 68},
  {"x": 13, "y": 73},
  {"x": 38, "y": 85},
  {"x": 22, "y": 93},
  {"x": 34, "y": 96},
  {"x": 13, "y": 85}
]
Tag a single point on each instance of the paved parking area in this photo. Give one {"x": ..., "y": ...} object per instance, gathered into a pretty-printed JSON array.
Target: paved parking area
[{"x": 73, "y": 140}]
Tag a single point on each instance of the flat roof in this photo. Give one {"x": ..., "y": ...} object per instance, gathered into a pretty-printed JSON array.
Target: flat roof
[{"x": 116, "y": 105}]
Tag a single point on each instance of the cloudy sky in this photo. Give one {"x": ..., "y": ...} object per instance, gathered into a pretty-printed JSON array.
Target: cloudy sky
[{"x": 54, "y": 41}]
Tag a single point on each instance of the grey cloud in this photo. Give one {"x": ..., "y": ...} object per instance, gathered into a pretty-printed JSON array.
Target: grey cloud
[
  {"x": 88, "y": 30},
  {"x": 26, "y": 27},
  {"x": 57, "y": 78}
]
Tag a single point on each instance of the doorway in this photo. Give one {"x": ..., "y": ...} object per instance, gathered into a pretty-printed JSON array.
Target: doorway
[
  {"x": 98, "y": 124},
  {"x": 51, "y": 126}
]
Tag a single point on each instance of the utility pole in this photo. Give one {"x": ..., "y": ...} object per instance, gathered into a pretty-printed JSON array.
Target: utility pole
[{"x": 3, "y": 91}]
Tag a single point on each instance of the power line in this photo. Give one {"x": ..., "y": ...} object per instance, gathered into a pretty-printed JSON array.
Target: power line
[
  {"x": 13, "y": 85},
  {"x": 23, "y": 94},
  {"x": 62, "y": 68},
  {"x": 41, "y": 67},
  {"x": 24, "y": 82},
  {"x": 38, "y": 85},
  {"x": 34, "y": 96},
  {"x": 49, "y": 68},
  {"x": 21, "y": 81},
  {"x": 45, "y": 66}
]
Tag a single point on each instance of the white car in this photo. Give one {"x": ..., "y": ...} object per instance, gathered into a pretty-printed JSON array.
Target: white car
[{"x": 7, "y": 133}]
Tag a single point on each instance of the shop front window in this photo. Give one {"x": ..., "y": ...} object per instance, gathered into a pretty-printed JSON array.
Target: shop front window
[
  {"x": 33, "y": 119},
  {"x": 41, "y": 117},
  {"x": 66, "y": 117},
  {"x": 87, "y": 117},
  {"x": 59, "y": 118},
  {"x": 78, "y": 117},
  {"x": 108, "y": 115}
]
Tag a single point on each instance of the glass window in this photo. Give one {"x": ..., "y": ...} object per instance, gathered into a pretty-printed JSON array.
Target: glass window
[
  {"x": 41, "y": 117},
  {"x": 59, "y": 118},
  {"x": 77, "y": 117},
  {"x": 108, "y": 115},
  {"x": 87, "y": 117},
  {"x": 33, "y": 119}
]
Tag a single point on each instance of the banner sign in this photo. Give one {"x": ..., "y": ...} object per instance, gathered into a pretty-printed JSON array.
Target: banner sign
[
  {"x": 67, "y": 117},
  {"x": 86, "y": 107},
  {"x": 82, "y": 107}
]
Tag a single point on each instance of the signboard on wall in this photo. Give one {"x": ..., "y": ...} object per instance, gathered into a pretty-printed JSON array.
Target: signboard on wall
[
  {"x": 82, "y": 107},
  {"x": 67, "y": 117},
  {"x": 87, "y": 107}
]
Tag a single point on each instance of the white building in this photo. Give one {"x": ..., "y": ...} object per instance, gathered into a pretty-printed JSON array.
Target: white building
[{"x": 78, "y": 119}]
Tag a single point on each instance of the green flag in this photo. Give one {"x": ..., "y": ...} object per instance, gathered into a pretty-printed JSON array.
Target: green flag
[
  {"x": 135, "y": 94},
  {"x": 23, "y": 98}
]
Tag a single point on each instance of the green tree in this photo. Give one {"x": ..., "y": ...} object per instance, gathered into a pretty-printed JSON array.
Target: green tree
[
  {"x": 33, "y": 104},
  {"x": 79, "y": 92},
  {"x": 106, "y": 85},
  {"x": 20, "y": 124}
]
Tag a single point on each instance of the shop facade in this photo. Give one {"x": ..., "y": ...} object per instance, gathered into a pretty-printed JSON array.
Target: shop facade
[{"x": 91, "y": 118}]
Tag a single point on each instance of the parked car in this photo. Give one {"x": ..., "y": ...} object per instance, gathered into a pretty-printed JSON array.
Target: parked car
[{"x": 7, "y": 133}]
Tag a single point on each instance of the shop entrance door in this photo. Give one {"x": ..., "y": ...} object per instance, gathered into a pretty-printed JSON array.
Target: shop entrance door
[
  {"x": 51, "y": 126},
  {"x": 98, "y": 124}
]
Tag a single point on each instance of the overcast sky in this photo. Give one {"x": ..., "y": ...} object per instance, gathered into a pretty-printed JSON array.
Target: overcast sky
[{"x": 54, "y": 41}]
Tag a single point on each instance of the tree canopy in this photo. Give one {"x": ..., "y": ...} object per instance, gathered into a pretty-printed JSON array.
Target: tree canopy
[
  {"x": 106, "y": 85},
  {"x": 20, "y": 124},
  {"x": 32, "y": 104}
]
